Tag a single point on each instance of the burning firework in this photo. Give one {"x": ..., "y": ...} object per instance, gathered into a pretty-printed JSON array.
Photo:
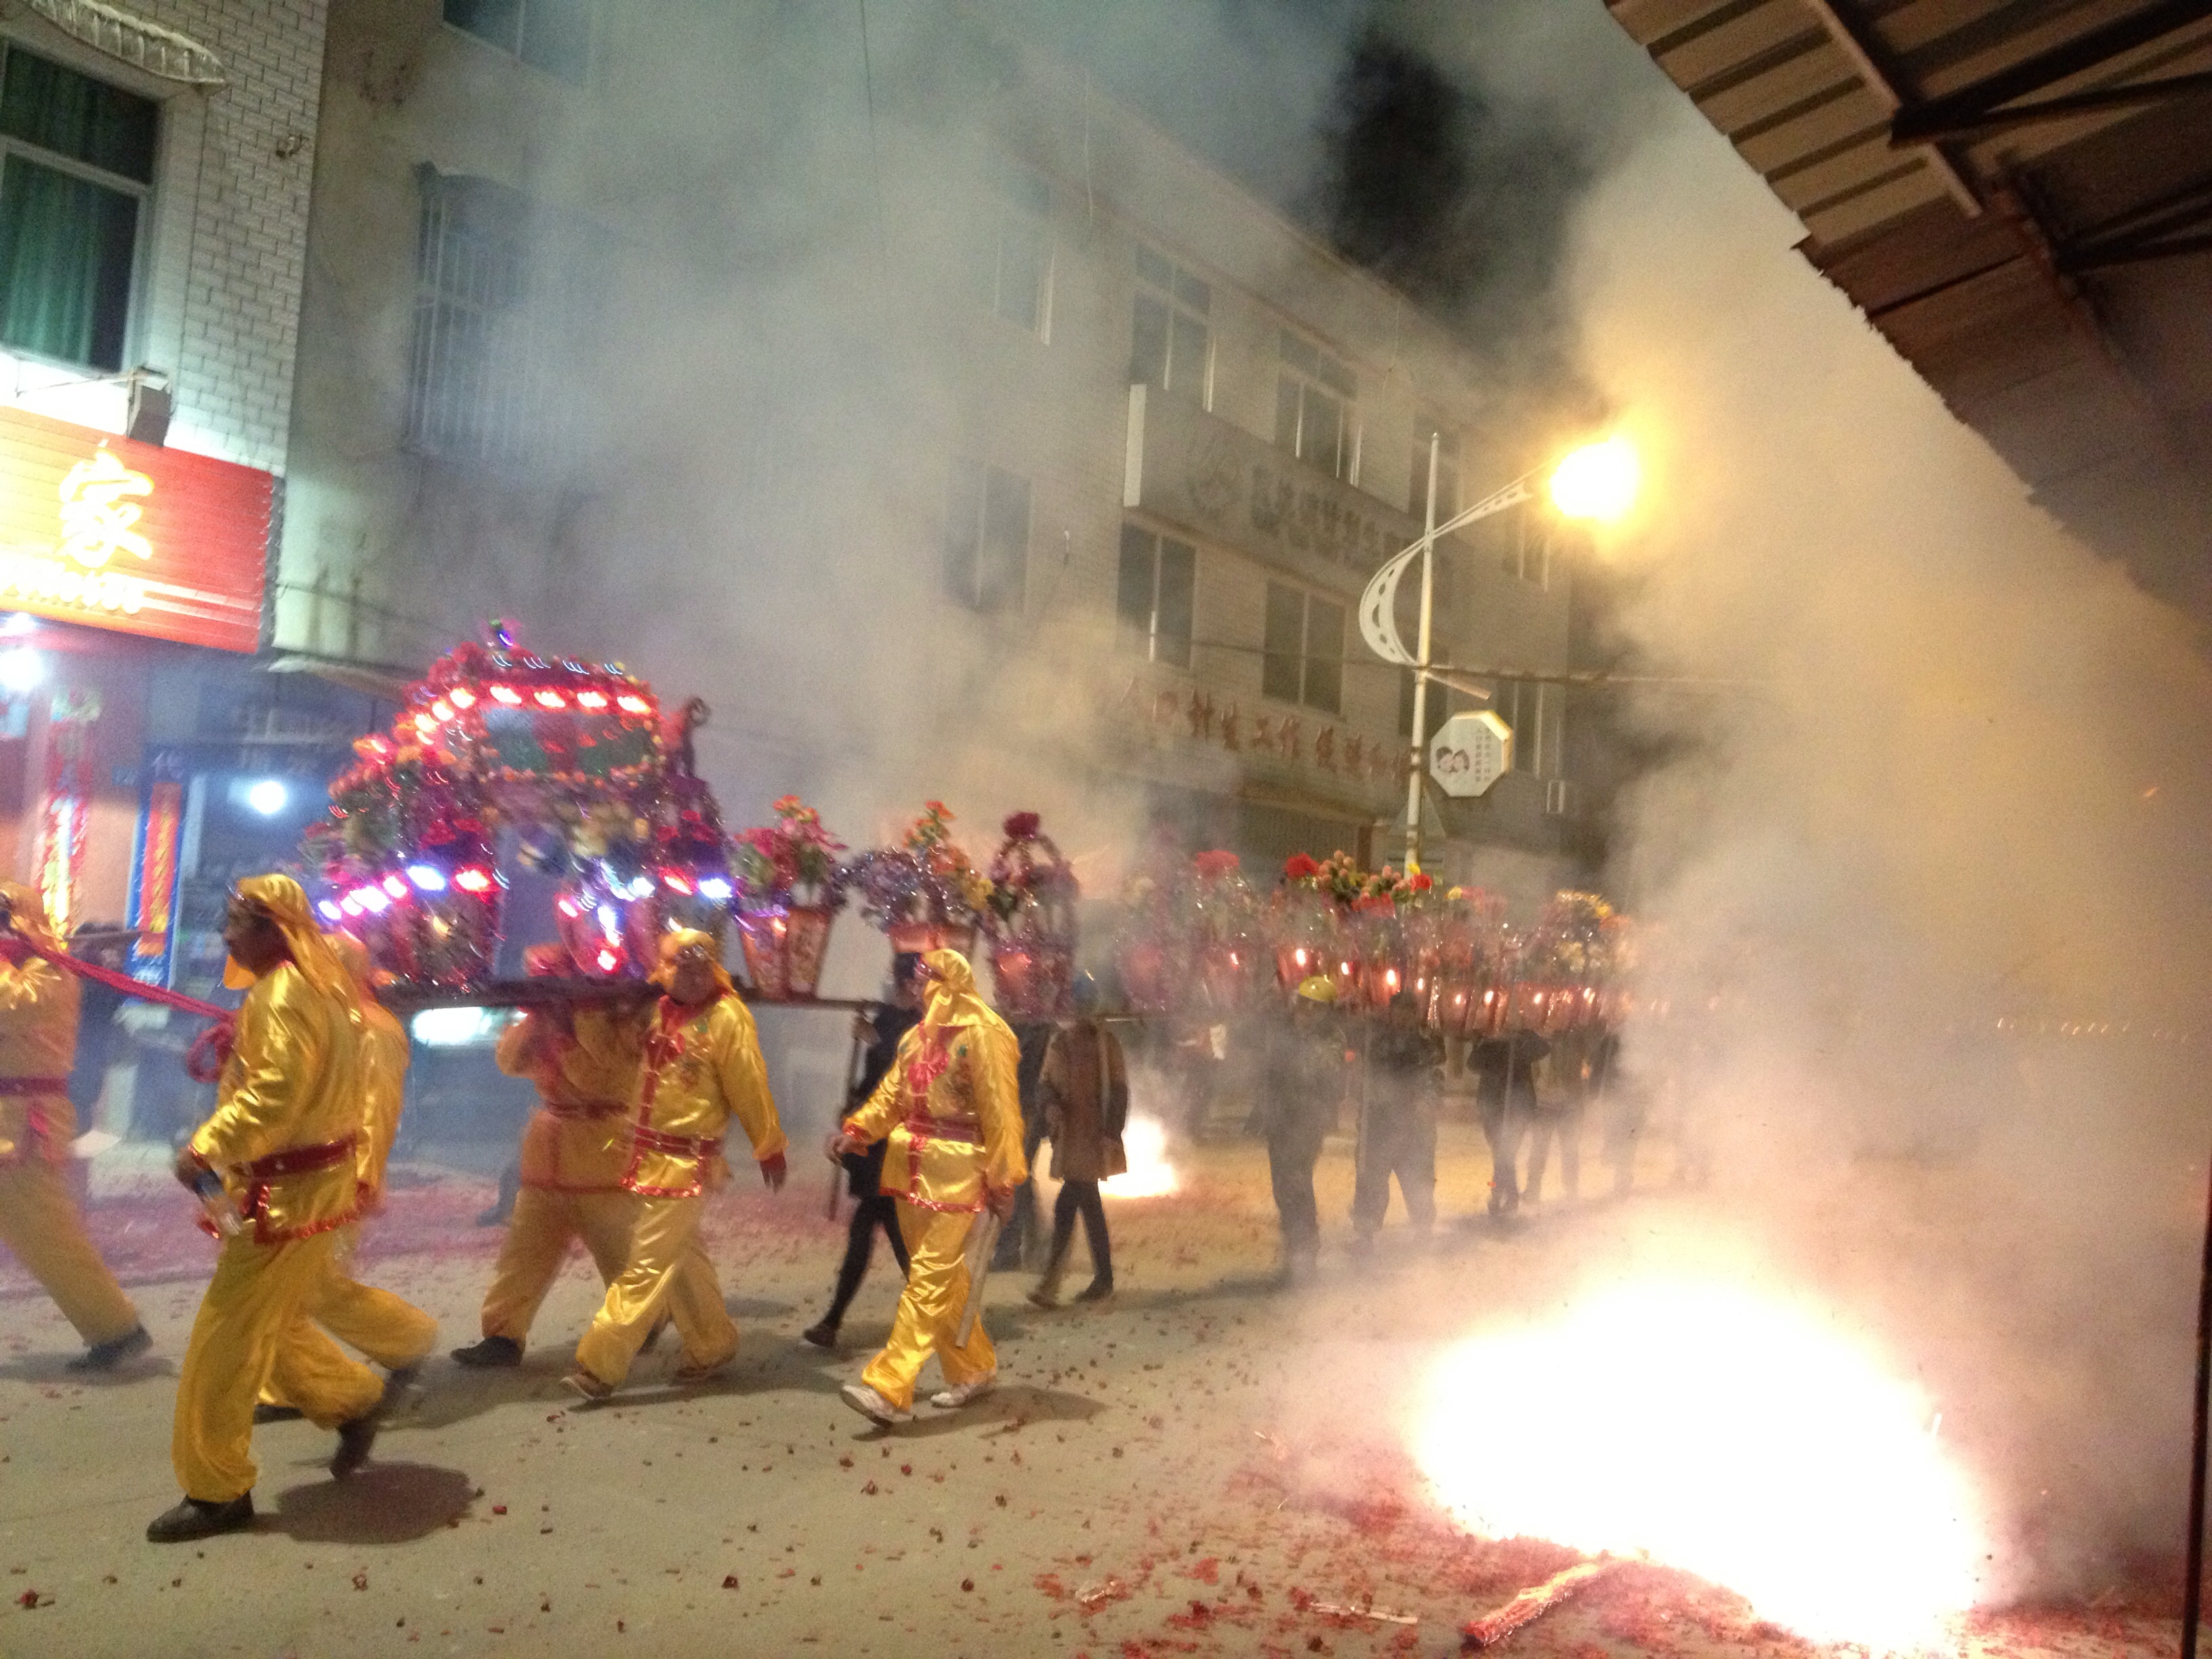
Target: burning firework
[
  {"x": 1721, "y": 1433},
  {"x": 1150, "y": 1174}
]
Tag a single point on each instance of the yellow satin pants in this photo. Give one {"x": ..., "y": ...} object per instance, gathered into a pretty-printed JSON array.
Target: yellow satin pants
[
  {"x": 256, "y": 1325},
  {"x": 538, "y": 1235},
  {"x": 929, "y": 1309},
  {"x": 667, "y": 1271},
  {"x": 389, "y": 1330},
  {"x": 41, "y": 1223}
]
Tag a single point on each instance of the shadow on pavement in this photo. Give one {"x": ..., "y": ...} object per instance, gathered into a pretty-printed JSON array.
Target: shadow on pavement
[{"x": 384, "y": 1504}]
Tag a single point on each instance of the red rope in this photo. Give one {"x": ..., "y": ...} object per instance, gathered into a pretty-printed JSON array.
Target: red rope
[{"x": 121, "y": 981}]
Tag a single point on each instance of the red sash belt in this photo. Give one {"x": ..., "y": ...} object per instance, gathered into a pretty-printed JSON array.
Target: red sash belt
[
  {"x": 34, "y": 1085},
  {"x": 652, "y": 1141},
  {"x": 300, "y": 1160},
  {"x": 921, "y": 1126},
  {"x": 577, "y": 1111}
]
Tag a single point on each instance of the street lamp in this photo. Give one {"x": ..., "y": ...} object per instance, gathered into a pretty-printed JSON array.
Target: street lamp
[{"x": 1597, "y": 482}]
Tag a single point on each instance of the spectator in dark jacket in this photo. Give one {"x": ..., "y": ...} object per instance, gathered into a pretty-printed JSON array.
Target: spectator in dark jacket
[
  {"x": 1302, "y": 1084},
  {"x": 1398, "y": 1123},
  {"x": 1506, "y": 1091},
  {"x": 881, "y": 1031}
]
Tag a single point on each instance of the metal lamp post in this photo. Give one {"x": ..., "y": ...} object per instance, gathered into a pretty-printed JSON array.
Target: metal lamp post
[{"x": 1595, "y": 482}]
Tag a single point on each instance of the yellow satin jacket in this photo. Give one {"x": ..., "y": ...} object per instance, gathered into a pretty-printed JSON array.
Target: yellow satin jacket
[
  {"x": 950, "y": 1107},
  {"x": 701, "y": 1066},
  {"x": 38, "y": 1043},
  {"x": 384, "y": 1057},
  {"x": 290, "y": 1110},
  {"x": 577, "y": 1140}
]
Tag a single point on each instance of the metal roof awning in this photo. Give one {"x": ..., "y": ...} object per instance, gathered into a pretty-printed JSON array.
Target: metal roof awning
[
  {"x": 2018, "y": 194},
  {"x": 138, "y": 41}
]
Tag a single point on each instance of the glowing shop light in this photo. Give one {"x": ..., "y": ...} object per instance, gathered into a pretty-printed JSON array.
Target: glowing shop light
[
  {"x": 552, "y": 699},
  {"x": 508, "y": 695},
  {"x": 393, "y": 885},
  {"x": 267, "y": 796},
  {"x": 19, "y": 623},
  {"x": 428, "y": 876},
  {"x": 715, "y": 888},
  {"x": 632, "y": 705},
  {"x": 1760, "y": 1448},
  {"x": 472, "y": 879},
  {"x": 1598, "y": 481},
  {"x": 330, "y": 911},
  {"x": 591, "y": 700},
  {"x": 456, "y": 1028},
  {"x": 462, "y": 697},
  {"x": 22, "y": 669}
]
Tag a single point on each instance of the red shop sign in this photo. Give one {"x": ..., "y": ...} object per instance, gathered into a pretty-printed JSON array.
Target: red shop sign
[{"x": 110, "y": 533}]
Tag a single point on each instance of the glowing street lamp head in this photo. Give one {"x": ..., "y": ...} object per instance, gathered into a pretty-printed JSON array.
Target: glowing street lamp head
[{"x": 1597, "y": 480}]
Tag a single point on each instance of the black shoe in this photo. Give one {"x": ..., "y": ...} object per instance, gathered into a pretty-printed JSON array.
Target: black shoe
[
  {"x": 824, "y": 1335},
  {"x": 356, "y": 1439},
  {"x": 194, "y": 1519},
  {"x": 1097, "y": 1291},
  {"x": 492, "y": 1353},
  {"x": 497, "y": 1216},
  {"x": 106, "y": 1356},
  {"x": 265, "y": 1413}
]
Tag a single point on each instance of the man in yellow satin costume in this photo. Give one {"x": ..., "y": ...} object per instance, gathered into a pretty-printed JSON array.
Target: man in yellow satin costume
[
  {"x": 284, "y": 1137},
  {"x": 701, "y": 1067},
  {"x": 574, "y": 1153},
  {"x": 391, "y": 1330},
  {"x": 949, "y": 1106},
  {"x": 39, "y": 1220}
]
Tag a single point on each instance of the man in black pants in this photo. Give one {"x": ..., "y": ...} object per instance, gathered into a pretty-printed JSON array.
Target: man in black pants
[
  {"x": 1302, "y": 1084},
  {"x": 864, "y": 1169},
  {"x": 1017, "y": 1242}
]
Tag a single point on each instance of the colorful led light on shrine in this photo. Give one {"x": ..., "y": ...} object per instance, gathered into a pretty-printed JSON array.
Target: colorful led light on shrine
[
  {"x": 330, "y": 911},
  {"x": 591, "y": 700},
  {"x": 608, "y": 961},
  {"x": 552, "y": 699},
  {"x": 462, "y": 697},
  {"x": 349, "y": 905},
  {"x": 611, "y": 923},
  {"x": 568, "y": 907},
  {"x": 715, "y": 888},
  {"x": 472, "y": 879},
  {"x": 632, "y": 705},
  {"x": 424, "y": 726},
  {"x": 394, "y": 886},
  {"x": 508, "y": 695},
  {"x": 428, "y": 876},
  {"x": 640, "y": 887},
  {"x": 442, "y": 711},
  {"x": 372, "y": 900},
  {"x": 669, "y": 878}
]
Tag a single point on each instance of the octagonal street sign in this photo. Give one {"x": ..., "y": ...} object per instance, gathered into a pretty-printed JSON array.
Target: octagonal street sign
[{"x": 1470, "y": 751}]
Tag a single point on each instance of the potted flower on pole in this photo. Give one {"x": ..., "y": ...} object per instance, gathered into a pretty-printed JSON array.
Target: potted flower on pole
[
  {"x": 926, "y": 892},
  {"x": 1224, "y": 918},
  {"x": 1032, "y": 923},
  {"x": 790, "y": 888}
]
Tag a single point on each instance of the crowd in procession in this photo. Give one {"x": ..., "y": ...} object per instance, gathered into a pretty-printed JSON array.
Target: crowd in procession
[{"x": 937, "y": 1140}]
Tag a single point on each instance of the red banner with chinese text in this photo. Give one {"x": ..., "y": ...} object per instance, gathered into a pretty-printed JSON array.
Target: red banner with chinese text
[
  {"x": 110, "y": 533},
  {"x": 156, "y": 883}
]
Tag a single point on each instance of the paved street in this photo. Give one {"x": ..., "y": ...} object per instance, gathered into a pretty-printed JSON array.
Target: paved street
[{"x": 1203, "y": 1466}]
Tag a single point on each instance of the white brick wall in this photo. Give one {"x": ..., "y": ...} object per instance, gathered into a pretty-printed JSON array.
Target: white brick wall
[{"x": 216, "y": 303}]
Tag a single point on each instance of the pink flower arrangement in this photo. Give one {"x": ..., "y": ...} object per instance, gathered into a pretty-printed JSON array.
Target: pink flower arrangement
[{"x": 796, "y": 854}]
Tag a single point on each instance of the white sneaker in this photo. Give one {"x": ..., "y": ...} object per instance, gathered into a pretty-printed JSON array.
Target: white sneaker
[
  {"x": 961, "y": 1393},
  {"x": 870, "y": 1405}
]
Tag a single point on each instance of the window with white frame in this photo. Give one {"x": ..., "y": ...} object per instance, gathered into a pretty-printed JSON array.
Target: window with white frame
[
  {"x": 1171, "y": 338},
  {"x": 986, "y": 537},
  {"x": 1538, "y": 715},
  {"x": 1301, "y": 659},
  {"x": 505, "y": 293},
  {"x": 77, "y": 169},
  {"x": 1013, "y": 254},
  {"x": 1153, "y": 600},
  {"x": 553, "y": 35},
  {"x": 1317, "y": 409},
  {"x": 1528, "y": 548}
]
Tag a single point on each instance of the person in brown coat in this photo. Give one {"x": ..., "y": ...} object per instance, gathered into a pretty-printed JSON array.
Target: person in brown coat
[{"x": 1084, "y": 1089}]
